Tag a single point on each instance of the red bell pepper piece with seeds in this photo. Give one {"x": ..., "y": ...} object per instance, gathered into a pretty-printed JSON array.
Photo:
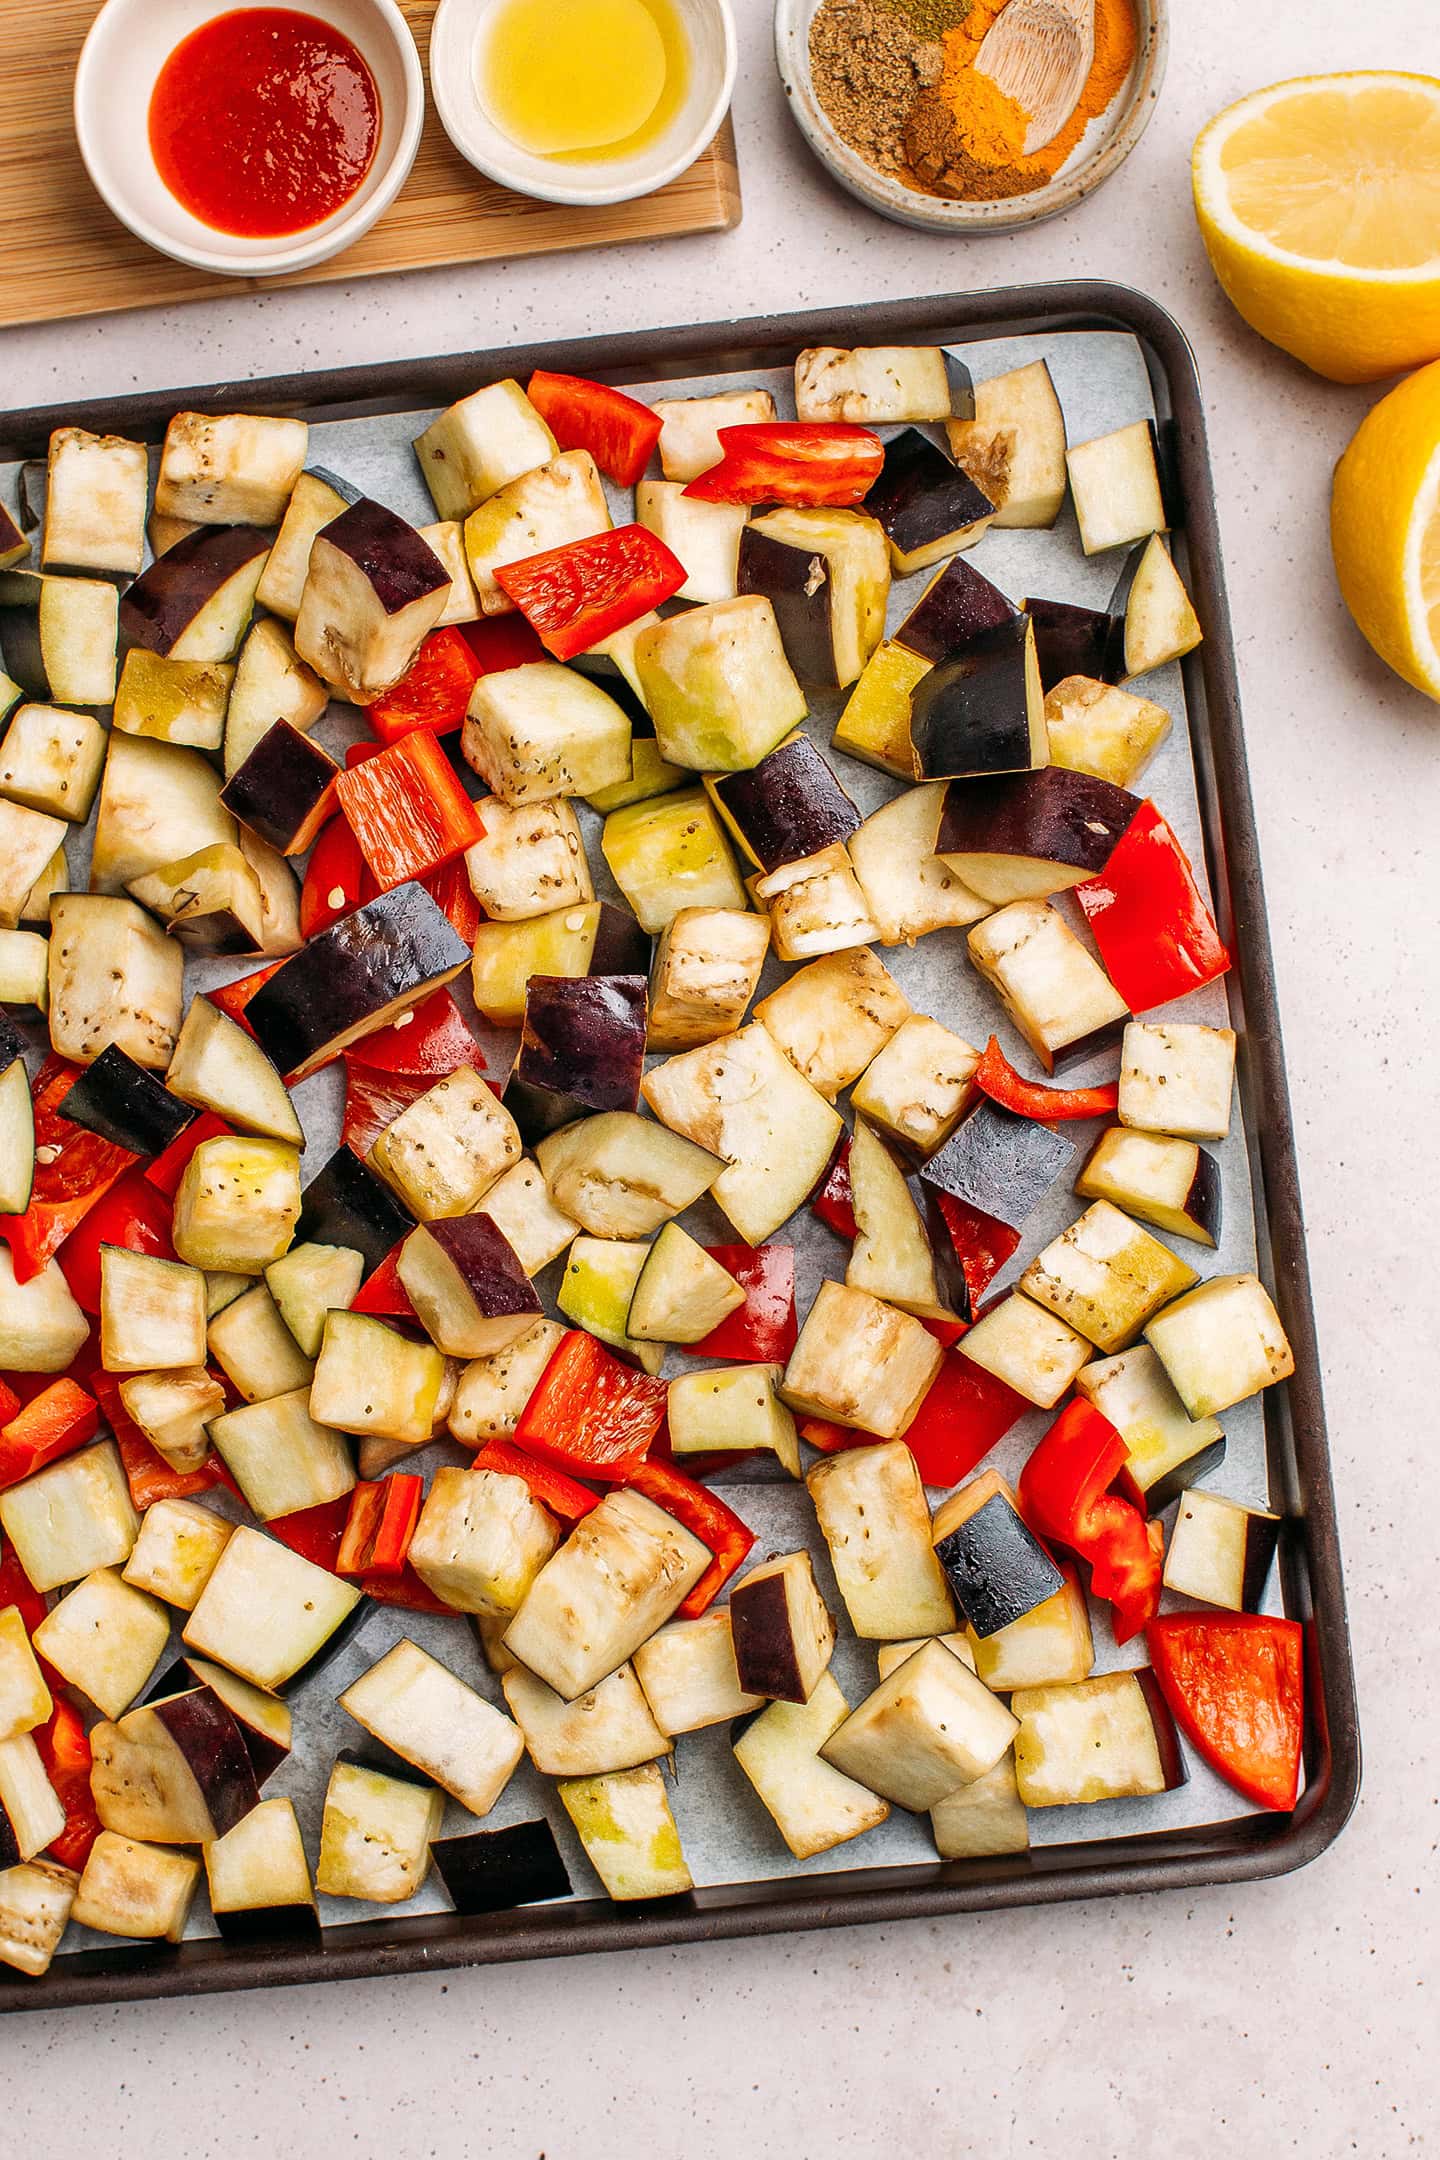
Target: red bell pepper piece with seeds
[
  {"x": 1156, "y": 937},
  {"x": 618, "y": 431},
  {"x": 337, "y": 880},
  {"x": 574, "y": 596},
  {"x": 815, "y": 463},
  {"x": 74, "y": 1168},
  {"x": 590, "y": 1415},
  {"x": 431, "y": 1038},
  {"x": 762, "y": 1331},
  {"x": 997, "y": 1078},
  {"x": 562, "y": 1495},
  {"x": 61, "y": 1418},
  {"x": 1065, "y": 1495},
  {"x": 133, "y": 1213},
  {"x": 433, "y": 692},
  {"x": 706, "y": 1516},
  {"x": 1234, "y": 1683},
  {"x": 408, "y": 810}
]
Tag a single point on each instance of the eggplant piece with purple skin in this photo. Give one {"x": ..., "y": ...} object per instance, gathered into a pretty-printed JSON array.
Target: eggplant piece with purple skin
[
  {"x": 496, "y": 1870},
  {"x": 195, "y": 600},
  {"x": 956, "y": 605},
  {"x": 264, "y": 1720},
  {"x": 353, "y": 978},
  {"x": 173, "y": 1771},
  {"x": 1072, "y": 640},
  {"x": 996, "y": 1567},
  {"x": 787, "y": 807},
  {"x": 465, "y": 1280},
  {"x": 282, "y": 789},
  {"x": 826, "y": 573},
  {"x": 347, "y": 1204},
  {"x": 12, "y": 1046},
  {"x": 1022, "y": 836},
  {"x": 982, "y": 710},
  {"x": 124, "y": 1103},
  {"x": 372, "y": 590},
  {"x": 582, "y": 1048},
  {"x": 999, "y": 1163},
  {"x": 926, "y": 506}
]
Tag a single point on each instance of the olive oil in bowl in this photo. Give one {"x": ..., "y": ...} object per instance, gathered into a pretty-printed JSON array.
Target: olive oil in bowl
[{"x": 583, "y": 80}]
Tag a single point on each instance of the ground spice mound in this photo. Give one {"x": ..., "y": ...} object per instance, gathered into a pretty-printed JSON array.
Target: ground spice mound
[{"x": 868, "y": 69}]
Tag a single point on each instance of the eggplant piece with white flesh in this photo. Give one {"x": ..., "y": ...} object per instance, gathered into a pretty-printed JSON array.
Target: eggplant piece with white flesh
[
  {"x": 878, "y": 385},
  {"x": 354, "y": 978},
  {"x": 928, "y": 1727},
  {"x": 237, "y": 1204},
  {"x": 466, "y": 1283},
  {"x": 194, "y": 601},
  {"x": 417, "y": 1708},
  {"x": 142, "y": 1892},
  {"x": 997, "y": 1569},
  {"x": 706, "y": 969},
  {"x": 540, "y": 730},
  {"x": 230, "y": 468},
  {"x": 908, "y": 890},
  {"x": 114, "y": 977},
  {"x": 126, "y": 1105},
  {"x": 671, "y": 854},
  {"x": 29, "y": 843},
  {"x": 610, "y": 1727},
  {"x": 690, "y": 427},
  {"x": 316, "y": 500},
  {"x": 31, "y": 1816},
  {"x": 217, "y": 1065},
  {"x": 520, "y": 1206},
  {"x": 158, "y": 802},
  {"x": 703, "y": 537},
  {"x": 282, "y": 1459},
  {"x": 1014, "y": 446},
  {"x": 597, "y": 1290},
  {"x": 14, "y": 546},
  {"x": 1169, "y": 1451},
  {"x": 490, "y": 1871},
  {"x": 732, "y": 1409},
  {"x": 552, "y": 506},
  {"x": 1220, "y": 1552},
  {"x": 718, "y": 684},
  {"x": 582, "y": 1048},
  {"x": 373, "y": 590},
  {"x": 174, "y": 1409},
  {"x": 481, "y": 1540},
  {"x": 447, "y": 538},
  {"x": 96, "y": 489},
  {"x": 1027, "y": 1346},
  {"x": 621, "y": 1176},
  {"x": 1075, "y": 640},
  {"x": 861, "y": 1362},
  {"x": 1115, "y": 482},
  {"x": 1093, "y": 727},
  {"x": 479, "y": 443},
  {"x": 51, "y": 760},
  {"x": 629, "y": 1834},
  {"x": 271, "y": 683},
  {"x": 1221, "y": 1343},
  {"x": 25, "y": 1699},
  {"x": 211, "y": 901},
  {"x": 999, "y": 1163},
  {"x": 345, "y": 1203},
  {"x": 872, "y": 1512},
  {"x": 814, "y": 1806},
  {"x": 1177, "y": 1077},
  {"x": 372, "y": 1379},
  {"x": 265, "y": 1719},
  {"x": 491, "y": 1393},
  {"x": 1023, "y": 836},
  {"x": 1158, "y": 1177},
  {"x": 982, "y": 710},
  {"x": 36, "y": 1897},
  {"x": 41, "y": 1326},
  {"x": 595, "y": 938},
  {"x": 173, "y": 1772},
  {"x": 309, "y": 1281},
  {"x": 448, "y": 1147},
  {"x": 782, "y": 1630},
  {"x": 787, "y": 807},
  {"x": 874, "y": 726},
  {"x": 1110, "y": 1737},
  {"x": 826, "y": 573},
  {"x": 152, "y": 1312},
  {"x": 105, "y": 1639},
  {"x": 375, "y": 1832},
  {"x": 177, "y": 1549},
  {"x": 927, "y": 506},
  {"x": 892, "y": 1257},
  {"x": 834, "y": 1017},
  {"x": 688, "y": 1672},
  {"x": 681, "y": 1294},
  {"x": 268, "y": 1614},
  {"x": 1160, "y": 623},
  {"x": 1054, "y": 990},
  {"x": 59, "y": 638},
  {"x": 73, "y": 1516},
  {"x": 530, "y": 861},
  {"x": 259, "y": 1878},
  {"x": 956, "y": 605},
  {"x": 17, "y": 1135}
]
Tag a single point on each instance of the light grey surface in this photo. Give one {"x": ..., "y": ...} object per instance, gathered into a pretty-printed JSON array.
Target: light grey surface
[{"x": 1296, "y": 2015}]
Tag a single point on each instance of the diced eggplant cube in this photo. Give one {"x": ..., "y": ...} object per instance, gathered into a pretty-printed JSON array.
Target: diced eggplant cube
[
  {"x": 41, "y": 1327},
  {"x": 264, "y": 1719},
  {"x": 1058, "y": 996},
  {"x": 982, "y": 1819},
  {"x": 478, "y": 444},
  {"x": 875, "y": 723},
  {"x": 889, "y": 1655},
  {"x": 619, "y": 1576},
  {"x": 870, "y": 1505},
  {"x": 372, "y": 591},
  {"x": 1116, "y": 485},
  {"x": 281, "y": 1457},
  {"x": 787, "y": 807},
  {"x": 51, "y": 760},
  {"x": 176, "y": 1553},
  {"x": 689, "y": 1675},
  {"x": 1030, "y": 1349},
  {"x": 174, "y": 1772},
  {"x": 530, "y": 862},
  {"x": 224, "y": 899},
  {"x": 194, "y": 600},
  {"x": 417, "y": 1707},
  {"x": 814, "y": 1806},
  {"x": 71, "y": 1518},
  {"x": 176, "y": 701},
  {"x": 1094, "y": 728},
  {"x": 96, "y": 488},
  {"x": 690, "y": 427},
  {"x": 997, "y": 1569},
  {"x": 816, "y": 907},
  {"x": 375, "y": 1834},
  {"x": 1047, "y": 1646},
  {"x": 140, "y": 1891},
  {"x": 114, "y": 977},
  {"x": 1163, "y": 1180},
  {"x": 28, "y": 843},
  {"x": 1106, "y": 1738},
  {"x": 31, "y": 1816},
  {"x": 1219, "y": 1551},
  {"x": 272, "y": 683},
  {"x": 703, "y": 537},
  {"x": 282, "y": 789},
  {"x": 126, "y": 1105},
  {"x": 598, "y": 1290},
  {"x": 928, "y": 507},
  {"x": 872, "y": 385},
  {"x": 862, "y": 1363},
  {"x": 835, "y": 1017},
  {"x": 732, "y": 1407},
  {"x": 1014, "y": 446},
  {"x": 105, "y": 1638},
  {"x": 826, "y": 573},
  {"x": 346, "y": 1204},
  {"x": 707, "y": 967},
  {"x": 159, "y": 803},
  {"x": 1073, "y": 641},
  {"x": 481, "y": 1540},
  {"x": 152, "y": 1312},
  {"x": 718, "y": 684},
  {"x": 540, "y": 730},
  {"x": 308, "y": 1282},
  {"x": 918, "y": 1084},
  {"x": 316, "y": 499},
  {"x": 1160, "y": 620},
  {"x": 35, "y": 1901},
  {"x": 551, "y": 506},
  {"x": 266, "y": 1612},
  {"x": 1176, "y": 1077},
  {"x": 173, "y": 1410},
  {"x": 681, "y": 1294},
  {"x": 742, "y": 1099},
  {"x": 582, "y": 1048},
  {"x": 783, "y": 1634},
  {"x": 24, "y": 970},
  {"x": 908, "y": 889},
  {"x": 932, "y": 1725},
  {"x": 25, "y": 1700},
  {"x": 892, "y": 1256},
  {"x": 955, "y": 606},
  {"x": 628, "y": 1832},
  {"x": 981, "y": 710},
  {"x": 1221, "y": 1343},
  {"x": 1168, "y": 1450},
  {"x": 998, "y": 1162},
  {"x": 1022, "y": 836},
  {"x": 570, "y": 941},
  {"x": 231, "y": 469},
  {"x": 671, "y": 856},
  {"x": 237, "y": 1205},
  {"x": 468, "y": 1286},
  {"x": 259, "y": 1877},
  {"x": 1105, "y": 1276},
  {"x": 492, "y": 1392},
  {"x": 520, "y": 1206},
  {"x": 372, "y": 1380},
  {"x": 496, "y": 1870},
  {"x": 610, "y": 1727},
  {"x": 444, "y": 1153},
  {"x": 621, "y": 1176}
]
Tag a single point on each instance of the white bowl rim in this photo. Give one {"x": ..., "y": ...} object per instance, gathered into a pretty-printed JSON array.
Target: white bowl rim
[
  {"x": 456, "y": 110},
  {"x": 270, "y": 260}
]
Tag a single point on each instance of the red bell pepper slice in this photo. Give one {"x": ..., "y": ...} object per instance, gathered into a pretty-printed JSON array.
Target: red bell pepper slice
[
  {"x": 337, "y": 879},
  {"x": 374, "y": 1100},
  {"x": 64, "y": 1749},
  {"x": 405, "y": 1590},
  {"x": 832, "y": 1439},
  {"x": 431, "y": 1038},
  {"x": 1065, "y": 1495},
  {"x": 383, "y": 1295},
  {"x": 704, "y": 1514},
  {"x": 17, "y": 1589},
  {"x": 166, "y": 1171},
  {"x": 52, "y": 1424},
  {"x": 1234, "y": 1683},
  {"x": 10, "y": 1402},
  {"x": 981, "y": 1243},
  {"x": 1155, "y": 935},
  {"x": 574, "y": 596},
  {"x": 73, "y": 1169},
  {"x": 433, "y": 692},
  {"x": 998, "y": 1079},
  {"x": 133, "y": 1213},
  {"x": 500, "y": 642},
  {"x": 147, "y": 1473},
  {"x": 450, "y": 888},
  {"x": 964, "y": 1414},
  {"x": 316, "y": 1533},
  {"x": 762, "y": 1331},
  {"x": 562, "y": 1495},
  {"x": 832, "y": 1200},
  {"x": 380, "y": 1525},
  {"x": 408, "y": 810},
  {"x": 790, "y": 461},
  {"x": 590, "y": 1415},
  {"x": 233, "y": 997},
  {"x": 618, "y": 431}
]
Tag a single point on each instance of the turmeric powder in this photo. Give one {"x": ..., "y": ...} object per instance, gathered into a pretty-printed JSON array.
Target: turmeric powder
[{"x": 966, "y": 138}]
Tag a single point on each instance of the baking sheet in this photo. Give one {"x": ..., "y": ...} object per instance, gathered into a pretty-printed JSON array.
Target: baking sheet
[{"x": 1103, "y": 383}]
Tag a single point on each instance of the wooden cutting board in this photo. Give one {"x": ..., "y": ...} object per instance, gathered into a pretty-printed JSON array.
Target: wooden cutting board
[{"x": 62, "y": 253}]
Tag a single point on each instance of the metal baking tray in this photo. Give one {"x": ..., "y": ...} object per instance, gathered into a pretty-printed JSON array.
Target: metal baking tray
[{"x": 837, "y": 1892}]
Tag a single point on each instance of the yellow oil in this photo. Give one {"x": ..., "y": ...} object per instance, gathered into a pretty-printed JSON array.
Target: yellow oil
[{"x": 579, "y": 80}]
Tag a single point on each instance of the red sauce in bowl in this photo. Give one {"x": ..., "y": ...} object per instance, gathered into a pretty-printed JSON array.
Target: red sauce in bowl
[{"x": 264, "y": 122}]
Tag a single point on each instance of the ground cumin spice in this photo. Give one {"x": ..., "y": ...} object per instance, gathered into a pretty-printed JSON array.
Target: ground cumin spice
[
  {"x": 965, "y": 138},
  {"x": 869, "y": 68}
]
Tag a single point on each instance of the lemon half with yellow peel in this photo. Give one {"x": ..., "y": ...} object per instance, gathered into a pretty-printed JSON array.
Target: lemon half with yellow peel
[
  {"x": 1319, "y": 206},
  {"x": 1385, "y": 529}
]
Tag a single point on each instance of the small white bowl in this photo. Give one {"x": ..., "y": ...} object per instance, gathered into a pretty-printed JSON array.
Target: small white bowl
[
  {"x": 455, "y": 42},
  {"x": 129, "y": 43}
]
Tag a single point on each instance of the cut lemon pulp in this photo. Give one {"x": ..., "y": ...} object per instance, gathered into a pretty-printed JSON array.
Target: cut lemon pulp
[
  {"x": 1319, "y": 205},
  {"x": 1385, "y": 529}
]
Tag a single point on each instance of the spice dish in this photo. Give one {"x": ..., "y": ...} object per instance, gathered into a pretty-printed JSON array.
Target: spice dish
[{"x": 886, "y": 94}]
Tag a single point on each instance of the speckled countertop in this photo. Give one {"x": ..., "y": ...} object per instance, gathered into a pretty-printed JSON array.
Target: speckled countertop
[{"x": 1297, "y": 2015}]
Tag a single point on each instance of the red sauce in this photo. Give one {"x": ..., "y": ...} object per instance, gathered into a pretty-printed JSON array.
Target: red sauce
[{"x": 264, "y": 122}]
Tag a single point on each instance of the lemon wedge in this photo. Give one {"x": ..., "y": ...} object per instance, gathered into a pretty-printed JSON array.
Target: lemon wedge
[
  {"x": 1319, "y": 206},
  {"x": 1385, "y": 529}
]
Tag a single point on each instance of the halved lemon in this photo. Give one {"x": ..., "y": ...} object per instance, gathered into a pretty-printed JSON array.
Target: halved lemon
[
  {"x": 1319, "y": 206},
  {"x": 1385, "y": 529}
]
